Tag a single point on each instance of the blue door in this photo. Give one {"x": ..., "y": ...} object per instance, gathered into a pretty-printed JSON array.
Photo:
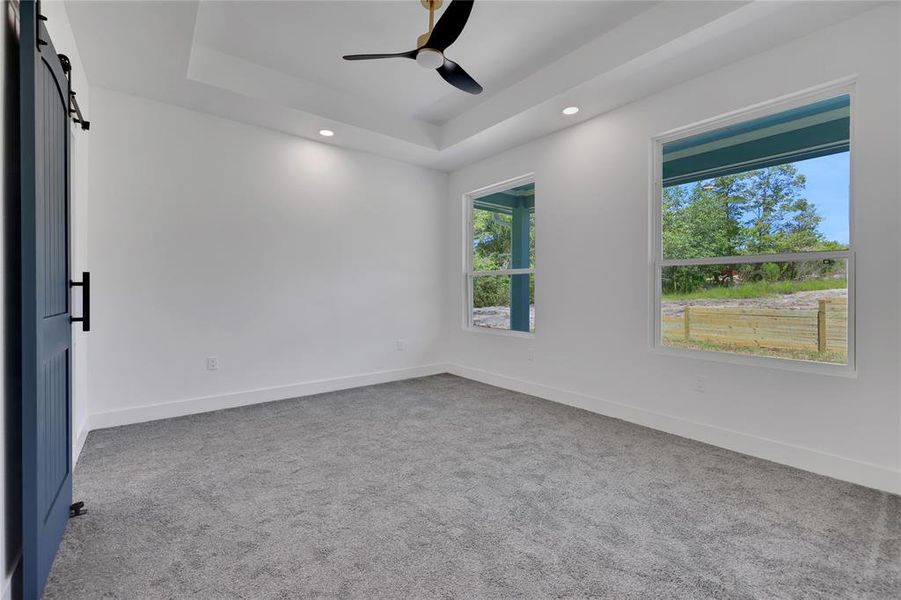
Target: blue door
[{"x": 46, "y": 328}]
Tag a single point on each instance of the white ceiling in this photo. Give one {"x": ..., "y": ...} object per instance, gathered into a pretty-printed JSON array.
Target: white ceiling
[
  {"x": 502, "y": 43},
  {"x": 278, "y": 64}
]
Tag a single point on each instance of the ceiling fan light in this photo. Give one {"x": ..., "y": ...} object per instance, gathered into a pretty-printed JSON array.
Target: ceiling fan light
[{"x": 428, "y": 58}]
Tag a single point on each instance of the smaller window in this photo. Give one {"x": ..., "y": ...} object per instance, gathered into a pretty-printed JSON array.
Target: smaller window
[
  {"x": 501, "y": 259},
  {"x": 753, "y": 239}
]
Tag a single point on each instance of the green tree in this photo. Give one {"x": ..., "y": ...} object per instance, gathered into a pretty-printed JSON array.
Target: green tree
[
  {"x": 698, "y": 221},
  {"x": 778, "y": 218},
  {"x": 492, "y": 239},
  {"x": 757, "y": 212}
]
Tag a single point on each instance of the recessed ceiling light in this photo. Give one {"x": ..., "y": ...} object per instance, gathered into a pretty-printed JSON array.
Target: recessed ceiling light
[
  {"x": 570, "y": 110},
  {"x": 326, "y": 132}
]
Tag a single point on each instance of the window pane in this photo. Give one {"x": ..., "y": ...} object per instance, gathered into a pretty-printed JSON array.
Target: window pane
[
  {"x": 767, "y": 186},
  {"x": 491, "y": 240},
  {"x": 503, "y": 230},
  {"x": 784, "y": 309},
  {"x": 796, "y": 207},
  {"x": 504, "y": 302}
]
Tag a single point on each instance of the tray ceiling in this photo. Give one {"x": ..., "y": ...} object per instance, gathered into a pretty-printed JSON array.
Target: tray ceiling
[{"x": 278, "y": 64}]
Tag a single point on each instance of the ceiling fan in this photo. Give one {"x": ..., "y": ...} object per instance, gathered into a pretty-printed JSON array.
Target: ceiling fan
[{"x": 430, "y": 46}]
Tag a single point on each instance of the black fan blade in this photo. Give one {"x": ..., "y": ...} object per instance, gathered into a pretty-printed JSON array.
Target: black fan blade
[
  {"x": 410, "y": 54},
  {"x": 450, "y": 25},
  {"x": 457, "y": 77}
]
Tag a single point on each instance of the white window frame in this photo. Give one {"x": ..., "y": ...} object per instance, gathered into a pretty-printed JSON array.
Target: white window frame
[
  {"x": 469, "y": 274},
  {"x": 657, "y": 262}
]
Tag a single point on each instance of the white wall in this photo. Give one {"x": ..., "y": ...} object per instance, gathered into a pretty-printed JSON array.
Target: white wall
[
  {"x": 592, "y": 346},
  {"x": 291, "y": 261}
]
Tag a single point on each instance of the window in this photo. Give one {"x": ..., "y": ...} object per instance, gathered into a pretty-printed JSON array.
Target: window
[
  {"x": 752, "y": 240},
  {"x": 501, "y": 257}
]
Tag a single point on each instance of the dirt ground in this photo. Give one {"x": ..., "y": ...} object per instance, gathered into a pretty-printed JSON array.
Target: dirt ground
[
  {"x": 498, "y": 317},
  {"x": 797, "y": 301}
]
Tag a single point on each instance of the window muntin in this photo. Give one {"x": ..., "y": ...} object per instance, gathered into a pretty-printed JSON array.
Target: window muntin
[
  {"x": 501, "y": 258},
  {"x": 753, "y": 236}
]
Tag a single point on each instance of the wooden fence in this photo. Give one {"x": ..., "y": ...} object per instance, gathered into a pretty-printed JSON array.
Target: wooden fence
[{"x": 824, "y": 329}]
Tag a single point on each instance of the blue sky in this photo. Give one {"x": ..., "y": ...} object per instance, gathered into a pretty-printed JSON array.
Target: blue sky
[{"x": 828, "y": 180}]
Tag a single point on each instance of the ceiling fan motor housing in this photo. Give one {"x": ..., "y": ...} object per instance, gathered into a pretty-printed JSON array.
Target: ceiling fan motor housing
[{"x": 429, "y": 58}]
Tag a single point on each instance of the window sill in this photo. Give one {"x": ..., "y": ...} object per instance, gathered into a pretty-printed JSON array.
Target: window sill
[
  {"x": 501, "y": 332},
  {"x": 783, "y": 364}
]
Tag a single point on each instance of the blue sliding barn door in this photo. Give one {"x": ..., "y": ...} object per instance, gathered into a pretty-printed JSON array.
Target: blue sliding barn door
[{"x": 46, "y": 328}]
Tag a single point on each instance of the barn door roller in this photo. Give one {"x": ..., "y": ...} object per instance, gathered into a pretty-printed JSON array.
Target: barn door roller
[{"x": 74, "y": 109}]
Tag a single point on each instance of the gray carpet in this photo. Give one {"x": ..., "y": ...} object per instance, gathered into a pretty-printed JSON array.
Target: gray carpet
[{"x": 445, "y": 488}]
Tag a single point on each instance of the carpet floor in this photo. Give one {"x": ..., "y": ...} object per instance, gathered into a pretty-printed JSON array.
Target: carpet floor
[{"x": 441, "y": 487}]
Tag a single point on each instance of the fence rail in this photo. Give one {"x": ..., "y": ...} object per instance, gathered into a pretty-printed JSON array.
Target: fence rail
[{"x": 824, "y": 329}]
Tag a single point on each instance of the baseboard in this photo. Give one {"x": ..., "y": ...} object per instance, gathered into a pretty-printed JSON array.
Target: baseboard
[
  {"x": 822, "y": 463},
  {"x": 12, "y": 581},
  {"x": 180, "y": 408},
  {"x": 81, "y": 434}
]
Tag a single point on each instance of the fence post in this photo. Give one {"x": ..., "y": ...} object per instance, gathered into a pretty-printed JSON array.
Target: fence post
[
  {"x": 687, "y": 322},
  {"x": 821, "y": 327}
]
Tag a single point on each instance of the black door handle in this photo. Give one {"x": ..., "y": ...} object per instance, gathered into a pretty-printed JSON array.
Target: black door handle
[{"x": 85, "y": 285}]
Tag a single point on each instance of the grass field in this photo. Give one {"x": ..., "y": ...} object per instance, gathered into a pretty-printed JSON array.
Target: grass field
[{"x": 759, "y": 289}]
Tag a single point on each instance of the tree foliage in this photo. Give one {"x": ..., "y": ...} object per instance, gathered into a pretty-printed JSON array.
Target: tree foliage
[
  {"x": 756, "y": 212},
  {"x": 492, "y": 242}
]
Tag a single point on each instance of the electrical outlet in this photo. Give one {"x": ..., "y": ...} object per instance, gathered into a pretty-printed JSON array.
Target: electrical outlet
[
  {"x": 212, "y": 363},
  {"x": 400, "y": 345}
]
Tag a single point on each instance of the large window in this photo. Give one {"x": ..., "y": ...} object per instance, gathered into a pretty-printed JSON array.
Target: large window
[
  {"x": 752, "y": 246},
  {"x": 500, "y": 270}
]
